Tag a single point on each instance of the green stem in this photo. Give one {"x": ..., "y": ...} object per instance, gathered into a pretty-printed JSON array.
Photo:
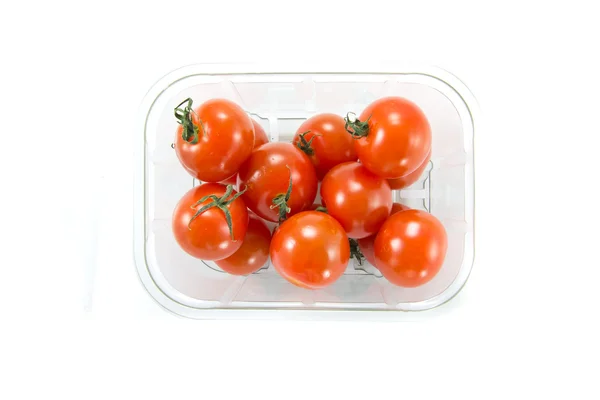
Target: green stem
[
  {"x": 305, "y": 145},
  {"x": 355, "y": 127},
  {"x": 221, "y": 203},
  {"x": 190, "y": 130},
  {"x": 280, "y": 201},
  {"x": 355, "y": 251},
  {"x": 321, "y": 209}
]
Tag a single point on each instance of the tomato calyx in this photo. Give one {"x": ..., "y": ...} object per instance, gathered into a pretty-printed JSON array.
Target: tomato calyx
[
  {"x": 355, "y": 127},
  {"x": 219, "y": 202},
  {"x": 280, "y": 201},
  {"x": 355, "y": 251},
  {"x": 305, "y": 145},
  {"x": 190, "y": 130},
  {"x": 321, "y": 209}
]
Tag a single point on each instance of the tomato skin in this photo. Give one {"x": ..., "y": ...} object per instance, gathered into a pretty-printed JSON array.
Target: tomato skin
[
  {"x": 225, "y": 141},
  {"x": 260, "y": 138},
  {"x": 232, "y": 180},
  {"x": 331, "y": 145},
  {"x": 409, "y": 179},
  {"x": 410, "y": 248},
  {"x": 398, "y": 139},
  {"x": 358, "y": 199},
  {"x": 310, "y": 250},
  {"x": 253, "y": 253},
  {"x": 397, "y": 207},
  {"x": 367, "y": 245},
  {"x": 265, "y": 175},
  {"x": 208, "y": 236}
]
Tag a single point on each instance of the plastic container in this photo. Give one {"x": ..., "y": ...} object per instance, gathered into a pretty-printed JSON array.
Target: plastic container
[{"x": 280, "y": 101}]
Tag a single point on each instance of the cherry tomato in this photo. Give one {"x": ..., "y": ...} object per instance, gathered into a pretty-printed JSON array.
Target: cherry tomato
[
  {"x": 410, "y": 248},
  {"x": 409, "y": 179},
  {"x": 260, "y": 138},
  {"x": 254, "y": 252},
  {"x": 266, "y": 176},
  {"x": 357, "y": 198},
  {"x": 310, "y": 249},
  {"x": 325, "y": 140},
  {"x": 214, "y": 139},
  {"x": 200, "y": 224},
  {"x": 393, "y": 137},
  {"x": 367, "y": 244}
]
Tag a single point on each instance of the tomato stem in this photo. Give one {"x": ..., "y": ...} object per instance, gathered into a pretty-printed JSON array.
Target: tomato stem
[
  {"x": 190, "y": 130},
  {"x": 219, "y": 202},
  {"x": 280, "y": 201},
  {"x": 305, "y": 145},
  {"x": 355, "y": 251},
  {"x": 321, "y": 209},
  {"x": 355, "y": 127}
]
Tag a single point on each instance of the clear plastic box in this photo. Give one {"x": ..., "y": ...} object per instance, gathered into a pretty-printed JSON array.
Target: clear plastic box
[{"x": 280, "y": 98}]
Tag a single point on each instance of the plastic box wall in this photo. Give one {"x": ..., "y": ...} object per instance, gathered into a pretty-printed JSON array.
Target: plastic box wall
[{"x": 280, "y": 102}]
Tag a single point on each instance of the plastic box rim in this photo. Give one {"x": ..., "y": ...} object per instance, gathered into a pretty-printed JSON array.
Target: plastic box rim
[{"x": 275, "y": 68}]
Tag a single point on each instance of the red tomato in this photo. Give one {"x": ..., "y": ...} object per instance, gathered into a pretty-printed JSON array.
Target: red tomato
[
  {"x": 254, "y": 252},
  {"x": 325, "y": 140},
  {"x": 266, "y": 175},
  {"x": 393, "y": 137},
  {"x": 214, "y": 139},
  {"x": 232, "y": 180},
  {"x": 200, "y": 221},
  {"x": 310, "y": 249},
  {"x": 260, "y": 138},
  {"x": 410, "y": 178},
  {"x": 367, "y": 244},
  {"x": 357, "y": 198},
  {"x": 397, "y": 207},
  {"x": 410, "y": 248}
]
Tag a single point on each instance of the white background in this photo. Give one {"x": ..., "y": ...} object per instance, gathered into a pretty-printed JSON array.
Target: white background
[{"x": 76, "y": 321}]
